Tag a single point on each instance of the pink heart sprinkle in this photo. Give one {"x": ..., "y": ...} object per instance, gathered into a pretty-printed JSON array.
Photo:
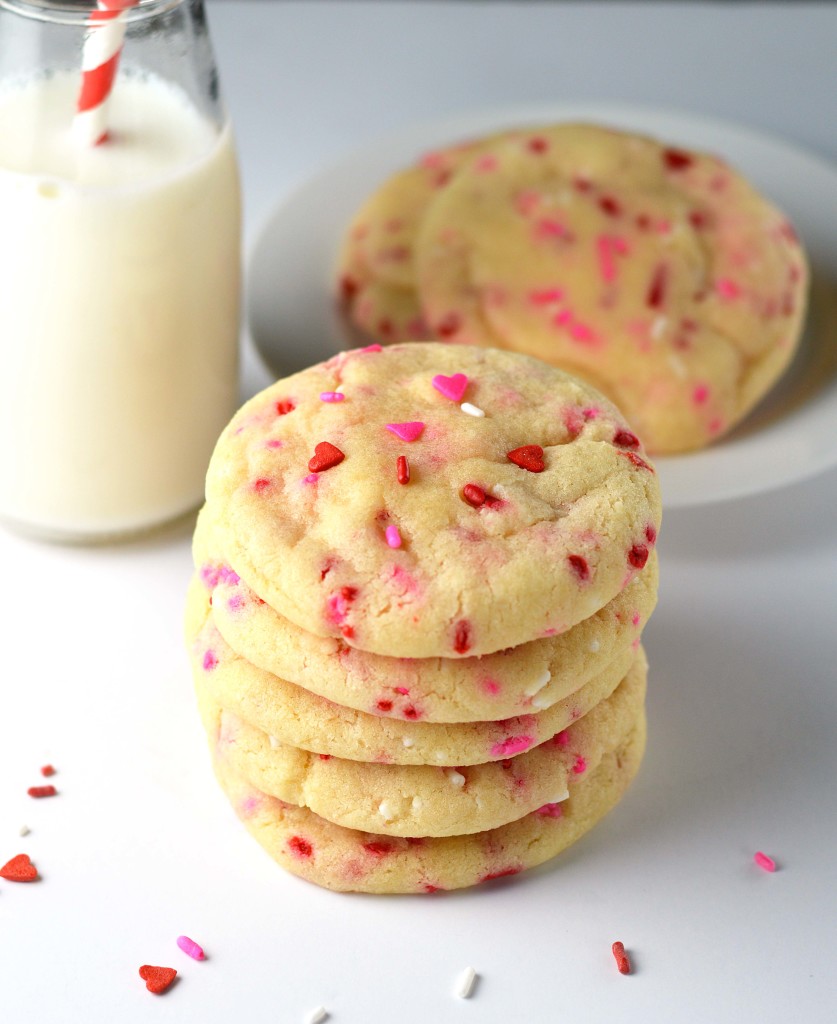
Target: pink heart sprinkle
[
  {"x": 451, "y": 387},
  {"x": 406, "y": 431}
]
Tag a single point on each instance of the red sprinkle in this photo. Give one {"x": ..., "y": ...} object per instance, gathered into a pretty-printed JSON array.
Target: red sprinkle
[
  {"x": 157, "y": 979},
  {"x": 19, "y": 869},
  {"x": 579, "y": 566},
  {"x": 326, "y": 456},
  {"x": 348, "y": 288},
  {"x": 528, "y": 456},
  {"x": 538, "y": 144},
  {"x": 402, "y": 469},
  {"x": 637, "y": 461},
  {"x": 625, "y": 439},
  {"x": 638, "y": 556},
  {"x": 39, "y": 791},
  {"x": 449, "y": 325},
  {"x": 285, "y": 406},
  {"x": 474, "y": 495},
  {"x": 47, "y": 770},
  {"x": 676, "y": 159},
  {"x": 657, "y": 288},
  {"x": 384, "y": 705},
  {"x": 621, "y": 957},
  {"x": 608, "y": 205},
  {"x": 462, "y": 637},
  {"x": 300, "y": 847},
  {"x": 377, "y": 849},
  {"x": 503, "y": 873}
]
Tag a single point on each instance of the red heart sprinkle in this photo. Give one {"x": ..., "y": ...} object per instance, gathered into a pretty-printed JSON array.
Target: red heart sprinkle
[
  {"x": 529, "y": 456},
  {"x": 19, "y": 869},
  {"x": 325, "y": 456},
  {"x": 625, "y": 439},
  {"x": 157, "y": 979}
]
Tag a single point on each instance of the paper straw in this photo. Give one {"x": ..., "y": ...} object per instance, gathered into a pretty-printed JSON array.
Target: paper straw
[{"x": 100, "y": 60}]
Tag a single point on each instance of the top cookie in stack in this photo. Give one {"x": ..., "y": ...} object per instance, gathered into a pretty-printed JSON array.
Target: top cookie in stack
[
  {"x": 423, "y": 573},
  {"x": 659, "y": 275}
]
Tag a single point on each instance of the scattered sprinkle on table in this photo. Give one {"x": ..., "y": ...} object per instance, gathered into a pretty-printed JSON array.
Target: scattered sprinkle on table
[
  {"x": 466, "y": 982},
  {"x": 25, "y": 830},
  {"x": 764, "y": 862},
  {"x": 317, "y": 1016},
  {"x": 621, "y": 957},
  {"x": 157, "y": 979},
  {"x": 41, "y": 791},
  {"x": 472, "y": 410},
  {"x": 190, "y": 947},
  {"x": 47, "y": 770},
  {"x": 19, "y": 869}
]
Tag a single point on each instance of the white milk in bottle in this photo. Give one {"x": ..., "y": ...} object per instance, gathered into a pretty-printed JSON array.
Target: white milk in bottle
[{"x": 119, "y": 306}]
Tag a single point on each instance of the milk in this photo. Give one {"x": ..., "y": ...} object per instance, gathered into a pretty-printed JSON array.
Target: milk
[{"x": 119, "y": 307}]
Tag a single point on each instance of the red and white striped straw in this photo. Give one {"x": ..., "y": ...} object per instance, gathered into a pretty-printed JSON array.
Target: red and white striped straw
[{"x": 100, "y": 60}]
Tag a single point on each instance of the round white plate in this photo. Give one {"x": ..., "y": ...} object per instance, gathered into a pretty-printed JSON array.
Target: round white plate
[{"x": 788, "y": 437}]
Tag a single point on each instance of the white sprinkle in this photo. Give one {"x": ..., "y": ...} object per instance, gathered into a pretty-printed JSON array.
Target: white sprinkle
[
  {"x": 466, "y": 982},
  {"x": 538, "y": 684},
  {"x": 407, "y": 741},
  {"x": 472, "y": 410},
  {"x": 386, "y": 811},
  {"x": 560, "y": 799},
  {"x": 318, "y": 1016},
  {"x": 457, "y": 778},
  {"x": 594, "y": 647},
  {"x": 25, "y": 830},
  {"x": 541, "y": 702},
  {"x": 658, "y": 327},
  {"x": 677, "y": 364},
  {"x": 274, "y": 743},
  {"x": 417, "y": 803}
]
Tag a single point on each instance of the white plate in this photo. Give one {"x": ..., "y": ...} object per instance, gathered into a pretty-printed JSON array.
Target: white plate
[{"x": 789, "y": 437}]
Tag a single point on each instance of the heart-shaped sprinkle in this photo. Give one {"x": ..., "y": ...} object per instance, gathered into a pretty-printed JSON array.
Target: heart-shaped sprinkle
[
  {"x": 528, "y": 456},
  {"x": 326, "y": 455},
  {"x": 157, "y": 979},
  {"x": 19, "y": 869},
  {"x": 451, "y": 387},
  {"x": 407, "y": 431}
]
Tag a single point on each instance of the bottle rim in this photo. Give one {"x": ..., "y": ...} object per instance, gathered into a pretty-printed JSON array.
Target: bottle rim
[{"x": 77, "y": 12}]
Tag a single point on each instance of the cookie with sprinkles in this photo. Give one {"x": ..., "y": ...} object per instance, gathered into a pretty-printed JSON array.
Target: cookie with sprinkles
[
  {"x": 296, "y": 717},
  {"x": 658, "y": 274},
  {"x": 523, "y": 680},
  {"x": 349, "y": 860},
  {"x": 422, "y": 800},
  {"x": 539, "y": 542}
]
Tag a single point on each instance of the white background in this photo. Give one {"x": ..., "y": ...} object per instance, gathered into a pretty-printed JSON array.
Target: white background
[{"x": 140, "y": 846}]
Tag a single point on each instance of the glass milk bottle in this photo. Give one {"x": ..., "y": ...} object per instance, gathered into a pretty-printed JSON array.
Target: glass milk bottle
[{"x": 119, "y": 264}]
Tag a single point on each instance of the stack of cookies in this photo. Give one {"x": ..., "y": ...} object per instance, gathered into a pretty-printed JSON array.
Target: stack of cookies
[
  {"x": 422, "y": 574},
  {"x": 658, "y": 274}
]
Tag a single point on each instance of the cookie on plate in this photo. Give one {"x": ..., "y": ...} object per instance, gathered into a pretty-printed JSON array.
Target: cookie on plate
[
  {"x": 430, "y": 500},
  {"x": 657, "y": 273}
]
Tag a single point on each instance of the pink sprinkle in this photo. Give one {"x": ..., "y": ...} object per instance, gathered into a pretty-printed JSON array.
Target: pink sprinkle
[
  {"x": 548, "y": 227},
  {"x": 512, "y": 745},
  {"x": 610, "y": 246},
  {"x": 562, "y": 738},
  {"x": 700, "y": 394},
  {"x": 727, "y": 288},
  {"x": 491, "y": 687},
  {"x": 210, "y": 661},
  {"x": 402, "y": 690},
  {"x": 545, "y": 296},
  {"x": 486, "y": 163},
  {"x": 312, "y": 478},
  {"x": 453, "y": 387},
  {"x": 764, "y": 862},
  {"x": 580, "y": 765},
  {"x": 407, "y": 431},
  {"x": 372, "y": 348},
  {"x": 393, "y": 536},
  {"x": 550, "y": 811},
  {"x": 190, "y": 948},
  {"x": 273, "y": 444},
  {"x": 332, "y": 396}
]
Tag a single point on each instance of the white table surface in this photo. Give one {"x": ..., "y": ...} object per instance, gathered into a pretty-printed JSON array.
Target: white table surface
[{"x": 140, "y": 846}]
